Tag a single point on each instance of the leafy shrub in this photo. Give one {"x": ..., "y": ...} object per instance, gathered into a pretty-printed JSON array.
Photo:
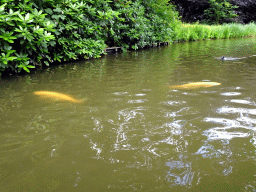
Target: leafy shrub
[
  {"x": 24, "y": 35},
  {"x": 219, "y": 11},
  {"x": 37, "y": 32},
  {"x": 141, "y": 23}
]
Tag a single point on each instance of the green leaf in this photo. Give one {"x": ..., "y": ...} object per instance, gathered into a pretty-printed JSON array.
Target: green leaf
[
  {"x": 2, "y": 7},
  {"x": 21, "y": 17},
  {"x": 57, "y": 10},
  {"x": 38, "y": 30},
  {"x": 46, "y": 63},
  {"x": 11, "y": 58},
  {"x": 27, "y": 17},
  {"x": 24, "y": 67},
  {"x": 30, "y": 66},
  {"x": 62, "y": 17},
  {"x": 49, "y": 11},
  {"x": 55, "y": 17},
  {"x": 7, "y": 36},
  {"x": 52, "y": 43}
]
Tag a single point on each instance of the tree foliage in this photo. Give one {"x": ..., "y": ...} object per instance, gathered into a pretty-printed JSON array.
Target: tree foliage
[{"x": 219, "y": 11}]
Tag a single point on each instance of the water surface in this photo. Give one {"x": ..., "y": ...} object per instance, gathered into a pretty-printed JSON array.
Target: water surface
[{"x": 132, "y": 132}]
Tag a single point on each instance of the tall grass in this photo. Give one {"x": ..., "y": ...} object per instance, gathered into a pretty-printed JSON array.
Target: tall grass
[{"x": 192, "y": 32}]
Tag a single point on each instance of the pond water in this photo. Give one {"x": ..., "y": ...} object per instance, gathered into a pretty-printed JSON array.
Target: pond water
[{"x": 132, "y": 131}]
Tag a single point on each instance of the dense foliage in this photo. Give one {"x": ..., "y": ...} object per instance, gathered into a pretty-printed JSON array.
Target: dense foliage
[
  {"x": 37, "y": 32},
  {"x": 219, "y": 11}
]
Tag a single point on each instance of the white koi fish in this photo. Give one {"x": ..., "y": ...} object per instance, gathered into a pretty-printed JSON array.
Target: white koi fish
[
  {"x": 57, "y": 96},
  {"x": 194, "y": 85}
]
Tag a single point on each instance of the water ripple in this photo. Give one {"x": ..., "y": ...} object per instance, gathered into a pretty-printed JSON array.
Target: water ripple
[
  {"x": 223, "y": 133},
  {"x": 180, "y": 173},
  {"x": 226, "y": 110},
  {"x": 120, "y": 93},
  {"x": 231, "y": 93},
  {"x": 241, "y": 101},
  {"x": 174, "y": 102},
  {"x": 242, "y": 126},
  {"x": 138, "y": 101},
  {"x": 223, "y": 121}
]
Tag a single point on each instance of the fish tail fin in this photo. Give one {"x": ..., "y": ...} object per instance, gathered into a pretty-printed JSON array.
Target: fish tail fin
[{"x": 80, "y": 100}]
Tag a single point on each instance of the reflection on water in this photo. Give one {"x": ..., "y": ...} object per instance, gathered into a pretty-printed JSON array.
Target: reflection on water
[
  {"x": 180, "y": 173},
  {"x": 230, "y": 93},
  {"x": 242, "y": 126},
  {"x": 134, "y": 133}
]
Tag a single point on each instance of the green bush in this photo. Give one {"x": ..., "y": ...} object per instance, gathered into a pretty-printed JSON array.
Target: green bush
[
  {"x": 141, "y": 23},
  {"x": 38, "y": 32},
  {"x": 219, "y": 11},
  {"x": 25, "y": 35}
]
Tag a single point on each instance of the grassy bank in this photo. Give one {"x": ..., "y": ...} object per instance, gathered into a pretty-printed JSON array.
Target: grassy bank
[{"x": 193, "y": 32}]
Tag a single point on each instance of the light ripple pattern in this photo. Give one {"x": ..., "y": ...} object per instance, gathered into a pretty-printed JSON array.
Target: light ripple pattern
[{"x": 243, "y": 126}]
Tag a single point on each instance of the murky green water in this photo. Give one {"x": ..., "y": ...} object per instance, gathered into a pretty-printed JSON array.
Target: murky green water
[{"x": 132, "y": 132}]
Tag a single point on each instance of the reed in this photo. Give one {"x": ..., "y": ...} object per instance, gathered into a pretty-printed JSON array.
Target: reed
[{"x": 193, "y": 32}]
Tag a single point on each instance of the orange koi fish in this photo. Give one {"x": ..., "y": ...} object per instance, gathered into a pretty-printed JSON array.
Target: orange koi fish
[
  {"x": 194, "y": 85},
  {"x": 57, "y": 96}
]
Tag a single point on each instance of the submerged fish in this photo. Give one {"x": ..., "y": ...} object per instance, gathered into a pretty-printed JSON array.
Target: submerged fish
[
  {"x": 57, "y": 96},
  {"x": 194, "y": 85}
]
